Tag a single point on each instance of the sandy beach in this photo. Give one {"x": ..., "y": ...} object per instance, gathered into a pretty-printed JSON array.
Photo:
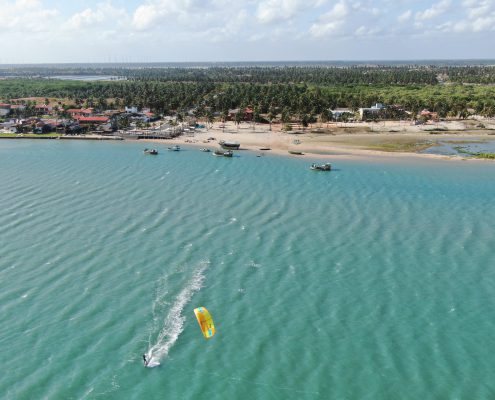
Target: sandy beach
[{"x": 390, "y": 140}]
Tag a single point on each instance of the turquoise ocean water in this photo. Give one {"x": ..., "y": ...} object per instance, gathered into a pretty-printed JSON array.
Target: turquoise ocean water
[{"x": 373, "y": 281}]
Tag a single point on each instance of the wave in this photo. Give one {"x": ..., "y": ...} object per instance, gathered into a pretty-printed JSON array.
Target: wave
[{"x": 173, "y": 324}]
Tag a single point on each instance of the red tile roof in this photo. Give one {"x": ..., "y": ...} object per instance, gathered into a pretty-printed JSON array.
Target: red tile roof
[{"x": 92, "y": 119}]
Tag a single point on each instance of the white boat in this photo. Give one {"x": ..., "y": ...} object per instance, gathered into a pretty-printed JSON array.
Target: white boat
[
  {"x": 322, "y": 167},
  {"x": 221, "y": 153},
  {"x": 174, "y": 148}
]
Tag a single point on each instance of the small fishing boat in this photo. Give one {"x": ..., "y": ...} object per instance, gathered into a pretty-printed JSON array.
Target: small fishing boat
[
  {"x": 265, "y": 148},
  {"x": 153, "y": 152},
  {"x": 174, "y": 148},
  {"x": 221, "y": 153},
  {"x": 229, "y": 145},
  {"x": 297, "y": 153},
  {"x": 204, "y": 149},
  {"x": 321, "y": 167}
]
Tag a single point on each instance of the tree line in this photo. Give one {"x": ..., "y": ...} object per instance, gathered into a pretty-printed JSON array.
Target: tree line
[{"x": 298, "y": 99}]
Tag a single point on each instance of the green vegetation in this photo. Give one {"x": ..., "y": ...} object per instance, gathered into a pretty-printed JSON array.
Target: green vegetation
[
  {"x": 490, "y": 156},
  {"x": 296, "y": 100},
  {"x": 303, "y": 93},
  {"x": 408, "y": 147},
  {"x": 462, "y": 150}
]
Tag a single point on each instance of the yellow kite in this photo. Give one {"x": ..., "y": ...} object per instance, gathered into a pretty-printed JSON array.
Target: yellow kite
[{"x": 205, "y": 322}]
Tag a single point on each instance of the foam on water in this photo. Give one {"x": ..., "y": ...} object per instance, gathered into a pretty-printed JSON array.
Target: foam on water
[{"x": 172, "y": 325}]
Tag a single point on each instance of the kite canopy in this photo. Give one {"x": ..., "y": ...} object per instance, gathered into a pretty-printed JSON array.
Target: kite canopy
[{"x": 205, "y": 322}]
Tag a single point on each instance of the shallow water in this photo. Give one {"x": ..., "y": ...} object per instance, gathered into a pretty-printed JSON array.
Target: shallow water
[
  {"x": 451, "y": 148},
  {"x": 372, "y": 281}
]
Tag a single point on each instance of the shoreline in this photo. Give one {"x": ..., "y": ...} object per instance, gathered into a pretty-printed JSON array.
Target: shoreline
[
  {"x": 316, "y": 146},
  {"x": 40, "y": 137}
]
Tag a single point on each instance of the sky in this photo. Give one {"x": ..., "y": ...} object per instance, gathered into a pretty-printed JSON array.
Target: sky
[{"x": 59, "y": 31}]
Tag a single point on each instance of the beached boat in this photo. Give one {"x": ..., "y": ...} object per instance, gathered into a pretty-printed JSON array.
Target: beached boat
[
  {"x": 229, "y": 145},
  {"x": 297, "y": 153},
  {"x": 174, "y": 148},
  {"x": 265, "y": 148},
  {"x": 204, "y": 149},
  {"x": 221, "y": 153},
  {"x": 153, "y": 152},
  {"x": 321, "y": 167}
]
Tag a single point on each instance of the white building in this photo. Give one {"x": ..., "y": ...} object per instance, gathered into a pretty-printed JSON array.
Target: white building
[
  {"x": 132, "y": 110},
  {"x": 371, "y": 110},
  {"x": 338, "y": 112}
]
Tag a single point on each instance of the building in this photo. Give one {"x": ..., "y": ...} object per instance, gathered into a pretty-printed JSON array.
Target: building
[
  {"x": 247, "y": 114},
  {"x": 43, "y": 109},
  {"x": 430, "y": 115},
  {"x": 9, "y": 126},
  {"x": 17, "y": 107},
  {"x": 80, "y": 112},
  {"x": 131, "y": 110},
  {"x": 339, "y": 112},
  {"x": 4, "y": 109},
  {"x": 91, "y": 120},
  {"x": 365, "y": 112}
]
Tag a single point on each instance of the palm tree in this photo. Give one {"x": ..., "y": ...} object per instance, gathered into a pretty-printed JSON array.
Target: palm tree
[
  {"x": 239, "y": 116},
  {"x": 225, "y": 115},
  {"x": 209, "y": 119},
  {"x": 271, "y": 116}
]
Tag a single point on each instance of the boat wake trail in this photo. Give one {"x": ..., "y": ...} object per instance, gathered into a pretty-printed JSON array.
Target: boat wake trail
[{"x": 171, "y": 327}]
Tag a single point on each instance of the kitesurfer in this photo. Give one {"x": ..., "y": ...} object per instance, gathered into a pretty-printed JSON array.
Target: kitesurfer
[{"x": 145, "y": 360}]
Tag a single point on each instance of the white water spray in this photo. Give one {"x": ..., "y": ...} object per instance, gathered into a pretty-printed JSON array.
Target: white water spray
[{"x": 173, "y": 324}]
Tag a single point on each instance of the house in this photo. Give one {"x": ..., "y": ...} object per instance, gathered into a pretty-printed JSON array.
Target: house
[
  {"x": 43, "y": 108},
  {"x": 106, "y": 129},
  {"x": 339, "y": 112},
  {"x": 4, "y": 109},
  {"x": 9, "y": 127},
  {"x": 365, "y": 112},
  {"x": 430, "y": 115},
  {"x": 247, "y": 114},
  {"x": 91, "y": 120},
  {"x": 131, "y": 110},
  {"x": 81, "y": 112},
  {"x": 112, "y": 113}
]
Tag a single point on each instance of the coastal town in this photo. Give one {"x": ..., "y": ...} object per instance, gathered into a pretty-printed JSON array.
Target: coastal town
[
  {"x": 379, "y": 128},
  {"x": 22, "y": 117}
]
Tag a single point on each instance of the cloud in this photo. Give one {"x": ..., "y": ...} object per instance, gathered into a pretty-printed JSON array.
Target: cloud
[
  {"x": 146, "y": 16},
  {"x": 406, "y": 16},
  {"x": 479, "y": 16},
  {"x": 186, "y": 15},
  {"x": 246, "y": 28},
  {"x": 280, "y": 10},
  {"x": 332, "y": 21},
  {"x": 434, "y": 11},
  {"x": 85, "y": 18},
  {"x": 26, "y": 15}
]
